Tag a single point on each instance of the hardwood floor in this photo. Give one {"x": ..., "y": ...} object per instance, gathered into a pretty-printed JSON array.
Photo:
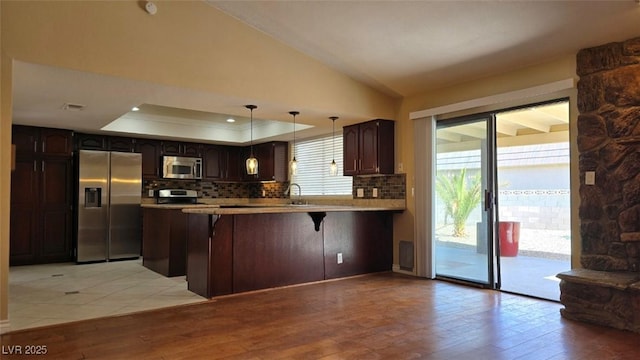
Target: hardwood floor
[{"x": 380, "y": 316}]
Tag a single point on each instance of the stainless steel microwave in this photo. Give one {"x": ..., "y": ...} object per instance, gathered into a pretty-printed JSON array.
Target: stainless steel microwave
[{"x": 180, "y": 167}]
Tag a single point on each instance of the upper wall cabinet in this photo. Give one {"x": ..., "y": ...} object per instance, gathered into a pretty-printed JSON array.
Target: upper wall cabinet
[
  {"x": 369, "y": 148},
  {"x": 122, "y": 144},
  {"x": 181, "y": 149},
  {"x": 150, "y": 150},
  {"x": 221, "y": 163},
  {"x": 30, "y": 141},
  {"x": 91, "y": 141},
  {"x": 272, "y": 161},
  {"x": 104, "y": 143},
  {"x": 214, "y": 162}
]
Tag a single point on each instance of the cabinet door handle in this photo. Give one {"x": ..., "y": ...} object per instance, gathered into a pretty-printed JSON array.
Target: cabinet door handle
[
  {"x": 35, "y": 146},
  {"x": 354, "y": 164},
  {"x": 35, "y": 166},
  {"x": 42, "y": 165},
  {"x": 43, "y": 146},
  {"x": 360, "y": 164}
]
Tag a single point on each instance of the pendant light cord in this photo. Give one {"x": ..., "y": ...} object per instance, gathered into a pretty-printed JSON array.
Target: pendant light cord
[
  {"x": 294, "y": 113},
  {"x": 251, "y": 107},
  {"x": 333, "y": 137}
]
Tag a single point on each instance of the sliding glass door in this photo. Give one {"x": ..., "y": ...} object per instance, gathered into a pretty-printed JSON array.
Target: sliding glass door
[
  {"x": 502, "y": 205},
  {"x": 463, "y": 206}
]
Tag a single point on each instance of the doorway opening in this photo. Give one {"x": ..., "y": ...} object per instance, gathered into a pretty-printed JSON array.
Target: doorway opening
[{"x": 502, "y": 202}]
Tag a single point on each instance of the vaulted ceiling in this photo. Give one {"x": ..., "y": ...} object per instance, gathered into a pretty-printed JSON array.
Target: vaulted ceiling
[{"x": 399, "y": 47}]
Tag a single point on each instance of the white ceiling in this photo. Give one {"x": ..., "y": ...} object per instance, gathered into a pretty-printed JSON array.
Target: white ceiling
[
  {"x": 399, "y": 47},
  {"x": 406, "y": 47}
]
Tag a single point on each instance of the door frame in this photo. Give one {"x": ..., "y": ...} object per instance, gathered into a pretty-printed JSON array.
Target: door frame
[{"x": 488, "y": 169}]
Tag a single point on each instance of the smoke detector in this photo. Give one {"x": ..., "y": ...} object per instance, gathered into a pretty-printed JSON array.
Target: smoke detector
[
  {"x": 150, "y": 8},
  {"x": 72, "y": 107}
]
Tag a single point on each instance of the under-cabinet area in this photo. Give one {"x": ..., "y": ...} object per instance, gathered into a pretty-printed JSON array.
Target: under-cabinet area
[{"x": 233, "y": 253}]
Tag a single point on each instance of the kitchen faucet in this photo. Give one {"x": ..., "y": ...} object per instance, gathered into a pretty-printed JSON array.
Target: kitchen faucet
[{"x": 286, "y": 192}]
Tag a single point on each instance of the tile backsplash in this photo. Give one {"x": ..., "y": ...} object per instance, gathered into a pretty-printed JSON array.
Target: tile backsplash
[{"x": 388, "y": 187}]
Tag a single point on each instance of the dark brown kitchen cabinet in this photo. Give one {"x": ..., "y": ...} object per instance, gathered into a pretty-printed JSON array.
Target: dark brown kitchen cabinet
[
  {"x": 150, "y": 150},
  {"x": 368, "y": 148},
  {"x": 272, "y": 161},
  {"x": 164, "y": 241},
  {"x": 104, "y": 143},
  {"x": 222, "y": 163},
  {"x": 91, "y": 141},
  {"x": 34, "y": 141},
  {"x": 245, "y": 252},
  {"x": 181, "y": 149},
  {"x": 41, "y": 197},
  {"x": 235, "y": 163},
  {"x": 214, "y": 162},
  {"x": 122, "y": 144}
]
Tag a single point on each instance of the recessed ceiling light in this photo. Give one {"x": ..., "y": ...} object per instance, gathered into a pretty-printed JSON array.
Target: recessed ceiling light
[
  {"x": 135, "y": 108},
  {"x": 230, "y": 120}
]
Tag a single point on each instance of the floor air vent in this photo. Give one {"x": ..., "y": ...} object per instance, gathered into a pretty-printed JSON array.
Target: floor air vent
[{"x": 406, "y": 255}]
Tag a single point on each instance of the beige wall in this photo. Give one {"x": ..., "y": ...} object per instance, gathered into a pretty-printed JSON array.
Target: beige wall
[
  {"x": 560, "y": 69},
  {"x": 186, "y": 44},
  {"x": 5, "y": 175}
]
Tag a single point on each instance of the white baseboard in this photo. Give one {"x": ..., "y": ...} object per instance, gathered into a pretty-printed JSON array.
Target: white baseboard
[
  {"x": 4, "y": 326},
  {"x": 396, "y": 269}
]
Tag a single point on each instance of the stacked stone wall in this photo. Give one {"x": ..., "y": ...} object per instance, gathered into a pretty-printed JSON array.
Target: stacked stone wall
[
  {"x": 609, "y": 145},
  {"x": 607, "y": 290}
]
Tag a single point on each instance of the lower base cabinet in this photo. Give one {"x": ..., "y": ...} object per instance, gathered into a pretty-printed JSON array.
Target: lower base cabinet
[
  {"x": 237, "y": 253},
  {"x": 286, "y": 250},
  {"x": 164, "y": 241}
]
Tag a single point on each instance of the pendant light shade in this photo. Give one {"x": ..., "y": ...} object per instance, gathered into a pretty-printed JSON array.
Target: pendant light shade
[
  {"x": 252, "y": 162},
  {"x": 293, "y": 164},
  {"x": 333, "y": 167}
]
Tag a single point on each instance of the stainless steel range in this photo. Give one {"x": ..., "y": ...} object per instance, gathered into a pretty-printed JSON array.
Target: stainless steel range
[{"x": 176, "y": 196}]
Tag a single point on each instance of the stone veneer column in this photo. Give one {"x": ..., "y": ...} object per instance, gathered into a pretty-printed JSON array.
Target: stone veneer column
[{"x": 609, "y": 144}]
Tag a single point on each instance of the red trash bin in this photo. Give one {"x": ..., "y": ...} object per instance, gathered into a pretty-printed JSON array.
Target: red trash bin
[{"x": 509, "y": 232}]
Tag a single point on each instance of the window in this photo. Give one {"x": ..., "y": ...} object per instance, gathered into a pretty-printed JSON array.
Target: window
[{"x": 314, "y": 157}]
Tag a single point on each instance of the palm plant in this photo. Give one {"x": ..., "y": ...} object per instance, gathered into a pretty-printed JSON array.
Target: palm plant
[{"x": 459, "y": 197}]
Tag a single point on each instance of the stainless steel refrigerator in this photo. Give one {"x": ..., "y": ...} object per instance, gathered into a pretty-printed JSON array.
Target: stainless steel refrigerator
[{"x": 109, "y": 194}]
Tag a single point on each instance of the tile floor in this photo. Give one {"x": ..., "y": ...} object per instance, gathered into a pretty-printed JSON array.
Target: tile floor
[{"x": 41, "y": 295}]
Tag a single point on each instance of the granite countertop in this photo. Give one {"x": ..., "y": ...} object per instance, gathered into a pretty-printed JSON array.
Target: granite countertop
[
  {"x": 256, "y": 206},
  {"x": 285, "y": 208},
  {"x": 178, "y": 206}
]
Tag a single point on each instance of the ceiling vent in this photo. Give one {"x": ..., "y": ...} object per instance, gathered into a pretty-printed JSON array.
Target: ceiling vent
[{"x": 72, "y": 107}]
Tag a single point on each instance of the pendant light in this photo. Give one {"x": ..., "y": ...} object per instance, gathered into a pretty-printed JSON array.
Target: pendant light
[
  {"x": 293, "y": 164},
  {"x": 333, "y": 168},
  {"x": 252, "y": 162}
]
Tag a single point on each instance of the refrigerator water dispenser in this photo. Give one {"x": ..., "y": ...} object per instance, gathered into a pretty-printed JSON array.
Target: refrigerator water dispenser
[{"x": 92, "y": 197}]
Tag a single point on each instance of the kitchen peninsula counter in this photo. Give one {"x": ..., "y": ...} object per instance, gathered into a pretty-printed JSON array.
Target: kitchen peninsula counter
[
  {"x": 284, "y": 208},
  {"x": 238, "y": 248},
  {"x": 164, "y": 237},
  {"x": 177, "y": 206}
]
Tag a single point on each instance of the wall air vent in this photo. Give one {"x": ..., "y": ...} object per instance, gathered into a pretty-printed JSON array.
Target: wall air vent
[{"x": 72, "y": 107}]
